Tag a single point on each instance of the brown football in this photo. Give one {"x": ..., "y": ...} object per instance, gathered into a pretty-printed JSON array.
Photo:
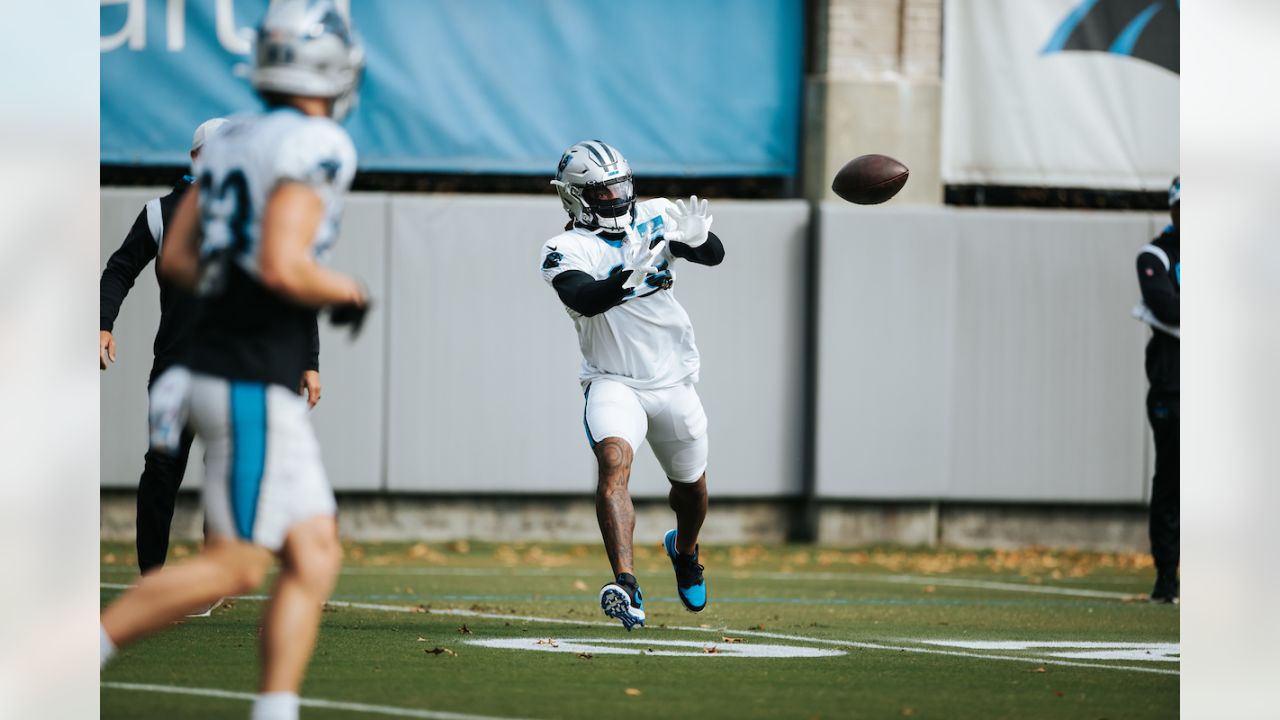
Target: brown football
[{"x": 870, "y": 179}]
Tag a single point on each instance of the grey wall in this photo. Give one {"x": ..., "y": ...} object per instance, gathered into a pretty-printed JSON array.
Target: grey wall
[
  {"x": 970, "y": 355},
  {"x": 465, "y": 378},
  {"x": 980, "y": 355}
]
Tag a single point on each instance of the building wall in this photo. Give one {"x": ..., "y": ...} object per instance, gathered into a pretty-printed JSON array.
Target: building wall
[{"x": 963, "y": 355}]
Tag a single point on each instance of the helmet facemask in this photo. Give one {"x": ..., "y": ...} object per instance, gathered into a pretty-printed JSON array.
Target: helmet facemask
[{"x": 611, "y": 202}]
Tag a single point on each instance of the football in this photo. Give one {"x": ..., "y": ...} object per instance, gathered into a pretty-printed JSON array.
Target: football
[{"x": 870, "y": 179}]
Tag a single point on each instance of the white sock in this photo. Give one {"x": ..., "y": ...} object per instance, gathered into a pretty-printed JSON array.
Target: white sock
[
  {"x": 275, "y": 706},
  {"x": 106, "y": 648}
]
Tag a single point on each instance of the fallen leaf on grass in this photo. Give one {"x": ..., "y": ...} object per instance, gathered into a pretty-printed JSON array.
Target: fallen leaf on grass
[
  {"x": 704, "y": 625},
  {"x": 548, "y": 641},
  {"x": 632, "y": 691},
  {"x": 579, "y": 585},
  {"x": 712, "y": 650},
  {"x": 930, "y": 588},
  {"x": 728, "y": 639},
  {"x": 421, "y": 639},
  {"x": 109, "y": 558},
  {"x": 441, "y": 651},
  {"x": 1041, "y": 669},
  {"x": 758, "y": 626},
  {"x": 907, "y": 712},
  {"x": 419, "y": 609},
  {"x": 464, "y": 630},
  {"x": 585, "y": 656},
  {"x": 1059, "y": 693}
]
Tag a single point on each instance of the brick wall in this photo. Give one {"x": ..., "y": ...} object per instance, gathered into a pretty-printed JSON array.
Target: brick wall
[{"x": 877, "y": 39}]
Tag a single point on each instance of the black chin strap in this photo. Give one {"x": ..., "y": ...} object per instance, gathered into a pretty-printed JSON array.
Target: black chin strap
[{"x": 597, "y": 230}]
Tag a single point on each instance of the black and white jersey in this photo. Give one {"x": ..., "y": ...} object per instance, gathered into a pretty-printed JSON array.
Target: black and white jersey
[
  {"x": 1159, "y": 268},
  {"x": 246, "y": 332},
  {"x": 141, "y": 246}
]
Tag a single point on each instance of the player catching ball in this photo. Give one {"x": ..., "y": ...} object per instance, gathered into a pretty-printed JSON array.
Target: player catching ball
[
  {"x": 251, "y": 236},
  {"x": 612, "y": 268}
]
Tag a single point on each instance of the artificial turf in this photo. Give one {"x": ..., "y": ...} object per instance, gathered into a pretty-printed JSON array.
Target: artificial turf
[{"x": 876, "y": 606}]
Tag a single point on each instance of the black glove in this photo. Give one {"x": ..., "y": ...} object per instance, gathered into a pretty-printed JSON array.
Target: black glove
[{"x": 349, "y": 315}]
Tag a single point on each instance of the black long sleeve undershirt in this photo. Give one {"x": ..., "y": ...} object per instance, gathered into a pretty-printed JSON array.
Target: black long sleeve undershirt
[
  {"x": 313, "y": 353},
  {"x": 590, "y": 297},
  {"x": 126, "y": 263},
  {"x": 709, "y": 253}
]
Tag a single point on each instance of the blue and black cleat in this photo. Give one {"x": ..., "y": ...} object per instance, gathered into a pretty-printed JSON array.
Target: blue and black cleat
[
  {"x": 690, "y": 585},
  {"x": 622, "y": 601}
]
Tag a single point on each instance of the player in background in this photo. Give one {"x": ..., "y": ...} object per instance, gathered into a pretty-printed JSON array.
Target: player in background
[
  {"x": 1159, "y": 268},
  {"x": 612, "y": 268},
  {"x": 163, "y": 471},
  {"x": 268, "y": 205}
]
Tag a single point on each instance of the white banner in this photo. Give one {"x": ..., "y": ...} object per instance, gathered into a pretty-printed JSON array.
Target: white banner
[{"x": 1061, "y": 93}]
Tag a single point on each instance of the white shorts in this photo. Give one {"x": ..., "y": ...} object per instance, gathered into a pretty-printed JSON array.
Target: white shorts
[
  {"x": 672, "y": 419},
  {"x": 262, "y": 472}
]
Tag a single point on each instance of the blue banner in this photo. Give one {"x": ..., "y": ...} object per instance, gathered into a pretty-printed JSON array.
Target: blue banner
[{"x": 682, "y": 87}]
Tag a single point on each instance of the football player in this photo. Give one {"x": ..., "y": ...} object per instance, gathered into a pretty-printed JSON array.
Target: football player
[
  {"x": 163, "y": 471},
  {"x": 250, "y": 236},
  {"x": 613, "y": 268}
]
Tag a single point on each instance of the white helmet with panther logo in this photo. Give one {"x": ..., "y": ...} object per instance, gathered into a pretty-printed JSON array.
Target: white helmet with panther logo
[
  {"x": 595, "y": 186},
  {"x": 307, "y": 47}
]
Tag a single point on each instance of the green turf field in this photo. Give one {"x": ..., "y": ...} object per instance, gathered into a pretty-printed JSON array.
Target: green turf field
[{"x": 881, "y": 633}]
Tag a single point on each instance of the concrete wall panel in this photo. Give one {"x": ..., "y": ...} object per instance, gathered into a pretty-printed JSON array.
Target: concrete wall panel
[
  {"x": 980, "y": 355},
  {"x": 484, "y": 358}
]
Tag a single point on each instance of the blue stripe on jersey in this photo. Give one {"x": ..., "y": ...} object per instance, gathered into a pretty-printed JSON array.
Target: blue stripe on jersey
[{"x": 248, "y": 452}]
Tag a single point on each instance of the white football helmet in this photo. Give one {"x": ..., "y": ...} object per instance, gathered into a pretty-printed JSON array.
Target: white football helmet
[
  {"x": 307, "y": 47},
  {"x": 595, "y": 186}
]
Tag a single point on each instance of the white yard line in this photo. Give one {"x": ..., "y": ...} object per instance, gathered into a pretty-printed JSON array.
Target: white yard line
[
  {"x": 304, "y": 702},
  {"x": 894, "y": 579},
  {"x": 687, "y": 628}
]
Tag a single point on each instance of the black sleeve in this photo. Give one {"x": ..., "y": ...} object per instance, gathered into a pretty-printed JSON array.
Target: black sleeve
[
  {"x": 138, "y": 249},
  {"x": 710, "y": 252},
  {"x": 589, "y": 297},
  {"x": 313, "y": 358},
  {"x": 1158, "y": 291}
]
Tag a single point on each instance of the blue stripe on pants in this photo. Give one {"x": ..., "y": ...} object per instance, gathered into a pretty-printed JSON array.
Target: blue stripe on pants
[
  {"x": 586, "y": 397},
  {"x": 248, "y": 452}
]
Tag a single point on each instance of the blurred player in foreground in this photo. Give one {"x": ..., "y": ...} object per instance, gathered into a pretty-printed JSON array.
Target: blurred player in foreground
[
  {"x": 268, "y": 203},
  {"x": 1160, "y": 279},
  {"x": 611, "y": 267},
  {"x": 163, "y": 471}
]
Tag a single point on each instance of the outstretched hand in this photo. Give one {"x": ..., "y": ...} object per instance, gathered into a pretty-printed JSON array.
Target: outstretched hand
[
  {"x": 644, "y": 263},
  {"x": 692, "y": 222}
]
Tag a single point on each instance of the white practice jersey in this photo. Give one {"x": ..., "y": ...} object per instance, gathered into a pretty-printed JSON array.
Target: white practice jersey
[
  {"x": 241, "y": 165},
  {"x": 646, "y": 341}
]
